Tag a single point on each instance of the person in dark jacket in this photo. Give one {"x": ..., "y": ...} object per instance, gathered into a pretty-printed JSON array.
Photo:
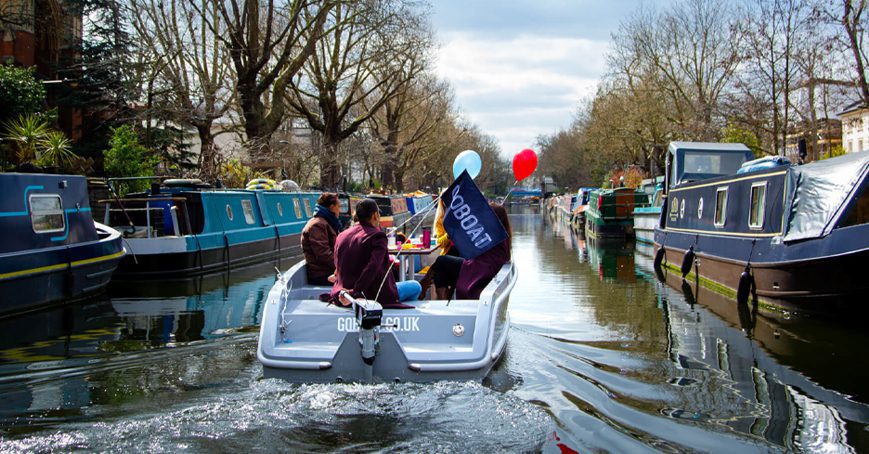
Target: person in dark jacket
[
  {"x": 318, "y": 240},
  {"x": 469, "y": 277},
  {"x": 362, "y": 261}
]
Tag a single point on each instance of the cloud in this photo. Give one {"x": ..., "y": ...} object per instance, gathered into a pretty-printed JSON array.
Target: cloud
[{"x": 520, "y": 87}]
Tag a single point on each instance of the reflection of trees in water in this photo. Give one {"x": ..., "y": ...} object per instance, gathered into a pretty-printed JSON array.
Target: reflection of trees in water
[{"x": 716, "y": 371}]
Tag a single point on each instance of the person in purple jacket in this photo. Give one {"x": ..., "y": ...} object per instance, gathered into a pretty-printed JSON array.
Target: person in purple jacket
[
  {"x": 362, "y": 261},
  {"x": 469, "y": 277}
]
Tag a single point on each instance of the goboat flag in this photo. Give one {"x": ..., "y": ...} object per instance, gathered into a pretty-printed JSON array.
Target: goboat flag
[{"x": 468, "y": 220}]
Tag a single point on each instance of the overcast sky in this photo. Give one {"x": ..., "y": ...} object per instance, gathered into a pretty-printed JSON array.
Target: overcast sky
[{"x": 520, "y": 67}]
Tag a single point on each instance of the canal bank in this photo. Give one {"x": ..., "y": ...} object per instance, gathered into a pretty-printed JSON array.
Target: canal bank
[{"x": 600, "y": 355}]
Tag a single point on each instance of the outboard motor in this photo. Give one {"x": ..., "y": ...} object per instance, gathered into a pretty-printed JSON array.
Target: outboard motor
[{"x": 369, "y": 315}]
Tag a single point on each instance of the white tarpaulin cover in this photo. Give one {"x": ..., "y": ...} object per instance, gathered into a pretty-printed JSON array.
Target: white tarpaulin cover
[{"x": 820, "y": 191}]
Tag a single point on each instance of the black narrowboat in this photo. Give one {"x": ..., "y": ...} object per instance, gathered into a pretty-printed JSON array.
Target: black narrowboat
[
  {"x": 790, "y": 236},
  {"x": 51, "y": 250}
]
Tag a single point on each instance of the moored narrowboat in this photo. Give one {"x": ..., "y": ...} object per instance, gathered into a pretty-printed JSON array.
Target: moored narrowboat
[
  {"x": 790, "y": 236},
  {"x": 51, "y": 249},
  {"x": 647, "y": 217},
  {"x": 181, "y": 229},
  {"x": 610, "y": 212},
  {"x": 393, "y": 209}
]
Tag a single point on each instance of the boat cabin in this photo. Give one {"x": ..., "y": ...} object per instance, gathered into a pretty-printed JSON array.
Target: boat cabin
[{"x": 694, "y": 161}]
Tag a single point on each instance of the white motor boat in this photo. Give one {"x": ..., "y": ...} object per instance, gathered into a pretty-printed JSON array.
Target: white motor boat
[{"x": 303, "y": 339}]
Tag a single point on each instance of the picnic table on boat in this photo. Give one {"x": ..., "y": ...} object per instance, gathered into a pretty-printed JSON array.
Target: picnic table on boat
[{"x": 405, "y": 259}]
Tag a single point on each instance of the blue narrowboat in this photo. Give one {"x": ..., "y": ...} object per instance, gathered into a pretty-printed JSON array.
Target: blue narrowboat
[
  {"x": 51, "y": 249},
  {"x": 790, "y": 236},
  {"x": 181, "y": 229}
]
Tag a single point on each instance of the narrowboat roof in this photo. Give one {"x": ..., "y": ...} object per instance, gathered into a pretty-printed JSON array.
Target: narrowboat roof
[
  {"x": 693, "y": 161},
  {"x": 820, "y": 193},
  {"x": 707, "y": 146}
]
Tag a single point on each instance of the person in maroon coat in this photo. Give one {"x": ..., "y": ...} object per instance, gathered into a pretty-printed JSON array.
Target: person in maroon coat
[
  {"x": 318, "y": 240},
  {"x": 470, "y": 277},
  {"x": 362, "y": 261}
]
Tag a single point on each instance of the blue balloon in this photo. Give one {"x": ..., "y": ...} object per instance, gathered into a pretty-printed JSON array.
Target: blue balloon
[{"x": 467, "y": 160}]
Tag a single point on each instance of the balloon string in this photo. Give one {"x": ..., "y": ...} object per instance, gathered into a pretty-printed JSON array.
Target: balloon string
[{"x": 509, "y": 191}]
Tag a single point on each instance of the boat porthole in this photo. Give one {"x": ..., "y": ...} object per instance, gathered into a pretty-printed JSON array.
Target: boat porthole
[
  {"x": 458, "y": 330},
  {"x": 396, "y": 380},
  {"x": 339, "y": 380},
  {"x": 700, "y": 208},
  {"x": 229, "y": 212},
  {"x": 280, "y": 210},
  {"x": 682, "y": 210}
]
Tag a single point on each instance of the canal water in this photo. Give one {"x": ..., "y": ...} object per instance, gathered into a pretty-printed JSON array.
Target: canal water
[{"x": 601, "y": 357}]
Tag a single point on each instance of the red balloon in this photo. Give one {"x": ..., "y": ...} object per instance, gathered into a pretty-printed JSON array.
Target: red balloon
[{"x": 524, "y": 164}]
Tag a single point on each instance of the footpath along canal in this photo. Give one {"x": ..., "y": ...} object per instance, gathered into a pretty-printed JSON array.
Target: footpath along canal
[{"x": 601, "y": 357}]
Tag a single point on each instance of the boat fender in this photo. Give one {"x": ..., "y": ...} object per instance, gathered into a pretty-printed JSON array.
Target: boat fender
[
  {"x": 746, "y": 281},
  {"x": 687, "y": 261},
  {"x": 659, "y": 258}
]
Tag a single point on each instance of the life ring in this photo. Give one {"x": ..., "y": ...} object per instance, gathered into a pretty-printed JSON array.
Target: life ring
[{"x": 266, "y": 181}]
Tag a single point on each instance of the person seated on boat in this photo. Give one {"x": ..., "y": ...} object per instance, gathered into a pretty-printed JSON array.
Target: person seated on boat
[
  {"x": 318, "y": 240},
  {"x": 469, "y": 277},
  {"x": 443, "y": 241},
  {"x": 362, "y": 261}
]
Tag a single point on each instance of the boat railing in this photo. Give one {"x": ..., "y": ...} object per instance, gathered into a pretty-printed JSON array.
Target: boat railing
[{"x": 146, "y": 220}]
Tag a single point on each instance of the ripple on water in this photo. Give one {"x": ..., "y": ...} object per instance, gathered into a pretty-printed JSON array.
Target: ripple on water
[{"x": 271, "y": 414}]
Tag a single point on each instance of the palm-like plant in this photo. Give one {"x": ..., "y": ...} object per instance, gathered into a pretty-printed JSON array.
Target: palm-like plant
[
  {"x": 27, "y": 131},
  {"x": 54, "y": 150}
]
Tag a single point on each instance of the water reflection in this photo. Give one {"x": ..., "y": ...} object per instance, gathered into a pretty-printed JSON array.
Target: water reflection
[
  {"x": 54, "y": 364},
  {"x": 796, "y": 384}
]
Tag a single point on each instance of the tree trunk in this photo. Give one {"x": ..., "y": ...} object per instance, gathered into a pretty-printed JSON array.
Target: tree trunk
[
  {"x": 329, "y": 165},
  {"x": 206, "y": 151},
  {"x": 851, "y": 24}
]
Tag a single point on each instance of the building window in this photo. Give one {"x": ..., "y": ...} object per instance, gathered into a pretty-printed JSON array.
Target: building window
[
  {"x": 46, "y": 213},
  {"x": 758, "y": 204},
  {"x": 859, "y": 145},
  {"x": 297, "y": 208},
  {"x": 720, "y": 207},
  {"x": 247, "y": 208},
  {"x": 308, "y": 208}
]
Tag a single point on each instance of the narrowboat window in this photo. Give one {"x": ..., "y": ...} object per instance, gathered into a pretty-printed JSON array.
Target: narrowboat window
[
  {"x": 345, "y": 205},
  {"x": 859, "y": 211},
  {"x": 297, "y": 208},
  {"x": 46, "y": 213},
  {"x": 758, "y": 203},
  {"x": 247, "y": 208},
  {"x": 229, "y": 212},
  {"x": 280, "y": 210},
  {"x": 308, "y": 208},
  {"x": 720, "y": 207}
]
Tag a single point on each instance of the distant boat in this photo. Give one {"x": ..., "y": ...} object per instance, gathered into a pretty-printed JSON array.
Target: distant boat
[
  {"x": 183, "y": 228},
  {"x": 610, "y": 212},
  {"x": 647, "y": 217},
  {"x": 51, "y": 250},
  {"x": 393, "y": 209},
  {"x": 792, "y": 235}
]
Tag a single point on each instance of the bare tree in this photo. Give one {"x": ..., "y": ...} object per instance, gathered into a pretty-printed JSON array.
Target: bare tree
[
  {"x": 363, "y": 56},
  {"x": 193, "y": 64},
  {"x": 854, "y": 23},
  {"x": 406, "y": 122},
  {"x": 268, "y": 42}
]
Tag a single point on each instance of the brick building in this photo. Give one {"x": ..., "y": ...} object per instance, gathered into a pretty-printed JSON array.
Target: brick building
[{"x": 45, "y": 34}]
